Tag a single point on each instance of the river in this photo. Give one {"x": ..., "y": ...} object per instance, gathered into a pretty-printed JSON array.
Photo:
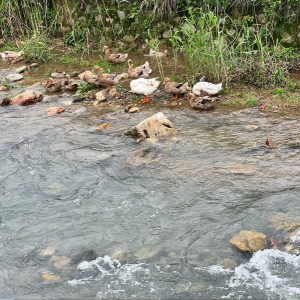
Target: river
[{"x": 106, "y": 227}]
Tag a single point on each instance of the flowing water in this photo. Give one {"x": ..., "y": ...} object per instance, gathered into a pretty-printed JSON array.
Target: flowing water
[{"x": 76, "y": 204}]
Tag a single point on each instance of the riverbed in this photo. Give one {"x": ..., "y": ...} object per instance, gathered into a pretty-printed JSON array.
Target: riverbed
[{"x": 76, "y": 206}]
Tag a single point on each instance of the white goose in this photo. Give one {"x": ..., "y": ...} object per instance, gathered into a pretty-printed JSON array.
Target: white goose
[
  {"x": 144, "y": 86},
  {"x": 209, "y": 88}
]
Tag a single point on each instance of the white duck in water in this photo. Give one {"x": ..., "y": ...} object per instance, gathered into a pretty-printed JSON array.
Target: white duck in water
[
  {"x": 144, "y": 86},
  {"x": 209, "y": 88}
]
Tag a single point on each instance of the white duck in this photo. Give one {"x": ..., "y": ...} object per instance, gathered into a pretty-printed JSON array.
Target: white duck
[
  {"x": 209, "y": 88},
  {"x": 144, "y": 86}
]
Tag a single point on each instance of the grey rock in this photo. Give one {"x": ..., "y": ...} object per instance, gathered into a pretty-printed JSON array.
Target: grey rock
[
  {"x": 167, "y": 34},
  {"x": 53, "y": 98},
  {"x": 21, "y": 69},
  {"x": 121, "y": 14},
  {"x": 14, "y": 77}
]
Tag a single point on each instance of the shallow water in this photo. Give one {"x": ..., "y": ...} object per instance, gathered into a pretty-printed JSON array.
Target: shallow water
[{"x": 166, "y": 218}]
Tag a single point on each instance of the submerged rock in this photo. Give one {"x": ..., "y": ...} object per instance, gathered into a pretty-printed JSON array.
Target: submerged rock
[
  {"x": 85, "y": 255},
  {"x": 157, "y": 126},
  {"x": 102, "y": 126},
  {"x": 47, "y": 276},
  {"x": 59, "y": 261},
  {"x": 28, "y": 97},
  {"x": 54, "y": 110},
  {"x": 49, "y": 251},
  {"x": 249, "y": 241}
]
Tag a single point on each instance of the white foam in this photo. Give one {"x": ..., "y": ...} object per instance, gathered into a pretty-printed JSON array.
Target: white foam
[{"x": 296, "y": 237}]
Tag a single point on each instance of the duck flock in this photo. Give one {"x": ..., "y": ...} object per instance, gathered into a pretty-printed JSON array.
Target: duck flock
[{"x": 140, "y": 84}]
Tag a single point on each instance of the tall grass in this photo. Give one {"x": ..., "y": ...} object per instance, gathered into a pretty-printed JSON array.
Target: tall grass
[{"x": 247, "y": 54}]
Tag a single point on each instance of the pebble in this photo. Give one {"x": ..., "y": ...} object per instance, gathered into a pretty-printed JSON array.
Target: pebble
[
  {"x": 21, "y": 69},
  {"x": 14, "y": 77}
]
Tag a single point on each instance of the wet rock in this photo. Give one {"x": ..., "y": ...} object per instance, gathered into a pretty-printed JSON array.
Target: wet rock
[
  {"x": 52, "y": 98},
  {"x": 147, "y": 254},
  {"x": 21, "y": 69},
  {"x": 156, "y": 126},
  {"x": 14, "y": 77},
  {"x": 102, "y": 126},
  {"x": 285, "y": 222},
  {"x": 228, "y": 263},
  {"x": 106, "y": 94},
  {"x": 49, "y": 251},
  {"x": 59, "y": 74},
  {"x": 67, "y": 102},
  {"x": 4, "y": 101},
  {"x": 240, "y": 169},
  {"x": 26, "y": 250},
  {"x": 47, "y": 276},
  {"x": 54, "y": 110},
  {"x": 124, "y": 257},
  {"x": 136, "y": 158},
  {"x": 79, "y": 111},
  {"x": 27, "y": 98},
  {"x": 59, "y": 261},
  {"x": 269, "y": 142},
  {"x": 249, "y": 241},
  {"x": 251, "y": 127},
  {"x": 133, "y": 110},
  {"x": 85, "y": 255},
  {"x": 3, "y": 88}
]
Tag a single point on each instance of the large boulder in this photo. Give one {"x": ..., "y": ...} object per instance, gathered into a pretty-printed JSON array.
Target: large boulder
[
  {"x": 157, "y": 126},
  {"x": 28, "y": 97},
  {"x": 249, "y": 241}
]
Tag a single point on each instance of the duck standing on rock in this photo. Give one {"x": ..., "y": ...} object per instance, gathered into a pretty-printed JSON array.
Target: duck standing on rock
[
  {"x": 142, "y": 71},
  {"x": 114, "y": 58},
  {"x": 107, "y": 79},
  {"x": 52, "y": 86},
  {"x": 144, "y": 86},
  {"x": 203, "y": 103},
  {"x": 175, "y": 88},
  {"x": 209, "y": 88}
]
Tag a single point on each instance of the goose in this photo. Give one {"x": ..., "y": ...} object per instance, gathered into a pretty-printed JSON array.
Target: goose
[{"x": 52, "y": 86}]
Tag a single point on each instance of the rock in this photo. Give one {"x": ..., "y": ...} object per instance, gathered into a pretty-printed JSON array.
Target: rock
[
  {"x": 49, "y": 251},
  {"x": 177, "y": 19},
  {"x": 135, "y": 158},
  {"x": 49, "y": 276},
  {"x": 123, "y": 256},
  {"x": 28, "y": 97},
  {"x": 121, "y": 14},
  {"x": 167, "y": 34},
  {"x": 14, "y": 77},
  {"x": 21, "y": 69},
  {"x": 157, "y": 126},
  {"x": 249, "y": 241},
  {"x": 133, "y": 110},
  {"x": 286, "y": 38},
  {"x": 98, "y": 18},
  {"x": 147, "y": 254},
  {"x": 186, "y": 26},
  {"x": 109, "y": 20},
  {"x": 231, "y": 31},
  {"x": 269, "y": 142},
  {"x": 102, "y": 126},
  {"x": 59, "y": 261},
  {"x": 240, "y": 169},
  {"x": 54, "y": 110},
  {"x": 4, "y": 101},
  {"x": 285, "y": 222},
  {"x": 3, "y": 88},
  {"x": 34, "y": 65},
  {"x": 251, "y": 127},
  {"x": 85, "y": 255},
  {"x": 53, "y": 98},
  {"x": 106, "y": 94},
  {"x": 228, "y": 263},
  {"x": 128, "y": 38},
  {"x": 260, "y": 18}
]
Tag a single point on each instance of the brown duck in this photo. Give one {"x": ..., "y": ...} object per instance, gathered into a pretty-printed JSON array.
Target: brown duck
[
  {"x": 106, "y": 79},
  {"x": 114, "y": 58},
  {"x": 175, "y": 88},
  {"x": 142, "y": 71},
  {"x": 89, "y": 77},
  {"x": 201, "y": 102},
  {"x": 70, "y": 84},
  {"x": 52, "y": 86}
]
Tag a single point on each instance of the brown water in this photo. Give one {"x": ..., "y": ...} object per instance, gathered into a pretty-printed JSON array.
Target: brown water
[{"x": 167, "y": 219}]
